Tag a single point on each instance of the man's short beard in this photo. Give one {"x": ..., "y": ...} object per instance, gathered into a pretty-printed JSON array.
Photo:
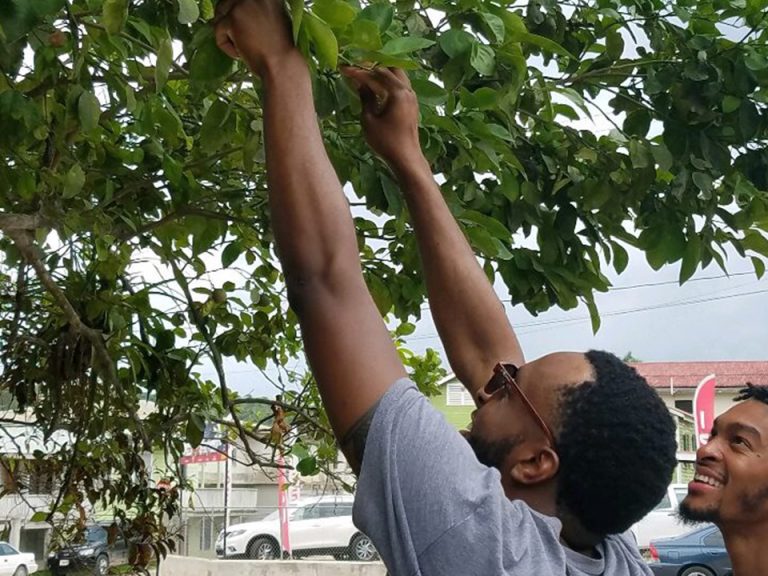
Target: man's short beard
[
  {"x": 492, "y": 452},
  {"x": 749, "y": 503},
  {"x": 691, "y": 516}
]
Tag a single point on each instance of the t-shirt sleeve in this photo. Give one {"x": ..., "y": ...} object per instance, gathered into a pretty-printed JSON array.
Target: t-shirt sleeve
[{"x": 428, "y": 504}]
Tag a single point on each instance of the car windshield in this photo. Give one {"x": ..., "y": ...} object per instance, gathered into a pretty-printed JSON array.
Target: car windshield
[{"x": 96, "y": 535}]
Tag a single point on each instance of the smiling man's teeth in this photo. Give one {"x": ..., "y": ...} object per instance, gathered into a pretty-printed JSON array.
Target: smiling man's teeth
[{"x": 707, "y": 480}]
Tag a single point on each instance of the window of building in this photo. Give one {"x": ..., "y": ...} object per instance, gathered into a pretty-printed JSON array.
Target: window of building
[
  {"x": 206, "y": 533},
  {"x": 665, "y": 504},
  {"x": 684, "y": 405},
  {"x": 456, "y": 395}
]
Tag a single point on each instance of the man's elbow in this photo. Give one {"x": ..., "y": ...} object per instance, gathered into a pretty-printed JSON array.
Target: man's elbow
[{"x": 308, "y": 289}]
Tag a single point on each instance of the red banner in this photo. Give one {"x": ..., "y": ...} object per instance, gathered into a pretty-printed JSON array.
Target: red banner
[
  {"x": 704, "y": 408},
  {"x": 282, "y": 505},
  {"x": 203, "y": 454}
]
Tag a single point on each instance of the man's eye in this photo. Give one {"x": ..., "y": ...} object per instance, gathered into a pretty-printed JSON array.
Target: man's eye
[{"x": 739, "y": 441}]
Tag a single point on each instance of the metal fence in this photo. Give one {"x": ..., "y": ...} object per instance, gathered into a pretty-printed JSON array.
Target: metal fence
[{"x": 319, "y": 528}]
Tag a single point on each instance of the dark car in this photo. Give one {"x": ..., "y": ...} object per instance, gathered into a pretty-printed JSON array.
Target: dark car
[
  {"x": 95, "y": 554},
  {"x": 698, "y": 553}
]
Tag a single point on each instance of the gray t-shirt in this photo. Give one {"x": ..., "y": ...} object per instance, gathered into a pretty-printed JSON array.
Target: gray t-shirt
[{"x": 432, "y": 509}]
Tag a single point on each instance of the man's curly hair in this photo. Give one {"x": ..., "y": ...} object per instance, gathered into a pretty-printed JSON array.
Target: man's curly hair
[
  {"x": 753, "y": 392},
  {"x": 617, "y": 447}
]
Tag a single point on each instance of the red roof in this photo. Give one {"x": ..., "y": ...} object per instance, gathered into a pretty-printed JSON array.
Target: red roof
[{"x": 689, "y": 374}]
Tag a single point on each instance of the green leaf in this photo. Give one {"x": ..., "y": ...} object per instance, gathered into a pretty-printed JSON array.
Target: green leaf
[
  {"x": 195, "y": 430},
  {"x": 620, "y": 257},
  {"x": 594, "y": 314},
  {"x": 189, "y": 11},
  {"x": 114, "y": 14},
  {"x": 74, "y": 181},
  {"x": 326, "y": 45},
  {"x": 730, "y": 103},
  {"x": 638, "y": 154},
  {"x": 405, "y": 45},
  {"x": 365, "y": 34},
  {"x": 209, "y": 64},
  {"x": 89, "y": 111},
  {"x": 755, "y": 60},
  {"x": 212, "y": 134},
  {"x": 491, "y": 225},
  {"x": 307, "y": 466},
  {"x": 755, "y": 241},
  {"x": 164, "y": 61},
  {"x": 759, "y": 267},
  {"x": 335, "y": 13},
  {"x": 483, "y": 98},
  {"x": 691, "y": 258},
  {"x": 297, "y": 14},
  {"x": 230, "y": 254},
  {"x": 637, "y": 123},
  {"x": 429, "y": 92},
  {"x": 381, "y": 13},
  {"x": 39, "y": 517},
  {"x": 544, "y": 43},
  {"x": 456, "y": 42},
  {"x": 614, "y": 44},
  {"x": 483, "y": 59},
  {"x": 704, "y": 183},
  {"x": 496, "y": 26}
]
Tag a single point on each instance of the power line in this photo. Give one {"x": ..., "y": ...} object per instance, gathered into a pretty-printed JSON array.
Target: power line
[
  {"x": 562, "y": 321},
  {"x": 649, "y": 284}
]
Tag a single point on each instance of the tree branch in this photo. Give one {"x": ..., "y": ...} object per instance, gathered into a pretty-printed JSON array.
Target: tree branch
[
  {"x": 14, "y": 222},
  {"x": 103, "y": 362}
]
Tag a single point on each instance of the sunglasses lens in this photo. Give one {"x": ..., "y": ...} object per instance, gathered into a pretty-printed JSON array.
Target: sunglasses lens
[{"x": 494, "y": 385}]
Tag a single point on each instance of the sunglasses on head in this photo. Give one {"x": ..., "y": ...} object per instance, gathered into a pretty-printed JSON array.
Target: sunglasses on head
[{"x": 504, "y": 377}]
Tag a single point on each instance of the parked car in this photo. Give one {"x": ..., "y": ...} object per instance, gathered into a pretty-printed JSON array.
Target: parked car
[
  {"x": 15, "y": 563},
  {"x": 663, "y": 520},
  {"x": 95, "y": 553},
  {"x": 698, "y": 553},
  {"x": 317, "y": 526}
]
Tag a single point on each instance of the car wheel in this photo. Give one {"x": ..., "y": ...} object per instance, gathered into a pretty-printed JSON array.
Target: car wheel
[
  {"x": 21, "y": 571},
  {"x": 263, "y": 549},
  {"x": 361, "y": 548},
  {"x": 697, "y": 571},
  {"x": 101, "y": 567}
]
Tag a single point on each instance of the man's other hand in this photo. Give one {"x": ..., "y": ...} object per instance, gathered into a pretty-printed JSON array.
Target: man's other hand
[
  {"x": 390, "y": 113},
  {"x": 258, "y": 31}
]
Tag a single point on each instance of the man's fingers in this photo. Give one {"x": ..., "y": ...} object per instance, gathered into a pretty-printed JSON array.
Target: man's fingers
[
  {"x": 365, "y": 78},
  {"x": 401, "y": 75},
  {"x": 222, "y": 10},
  {"x": 225, "y": 44}
]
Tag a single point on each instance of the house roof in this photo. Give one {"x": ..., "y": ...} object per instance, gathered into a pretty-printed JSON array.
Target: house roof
[{"x": 730, "y": 374}]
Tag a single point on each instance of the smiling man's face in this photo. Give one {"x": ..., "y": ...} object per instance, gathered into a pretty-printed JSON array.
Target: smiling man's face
[{"x": 731, "y": 481}]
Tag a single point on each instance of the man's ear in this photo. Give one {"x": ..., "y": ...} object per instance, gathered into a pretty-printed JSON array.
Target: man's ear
[{"x": 536, "y": 464}]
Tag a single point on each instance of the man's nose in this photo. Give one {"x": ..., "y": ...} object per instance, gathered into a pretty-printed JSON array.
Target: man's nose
[
  {"x": 482, "y": 397},
  {"x": 710, "y": 450}
]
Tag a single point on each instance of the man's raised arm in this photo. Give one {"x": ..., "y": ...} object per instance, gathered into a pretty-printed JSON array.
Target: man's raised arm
[
  {"x": 347, "y": 344},
  {"x": 470, "y": 318}
]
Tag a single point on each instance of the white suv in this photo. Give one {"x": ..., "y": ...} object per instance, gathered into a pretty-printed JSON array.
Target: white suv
[
  {"x": 317, "y": 526},
  {"x": 663, "y": 520}
]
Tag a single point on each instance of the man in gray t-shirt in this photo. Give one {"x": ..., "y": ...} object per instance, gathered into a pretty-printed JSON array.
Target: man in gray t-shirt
[
  {"x": 432, "y": 508},
  {"x": 562, "y": 452}
]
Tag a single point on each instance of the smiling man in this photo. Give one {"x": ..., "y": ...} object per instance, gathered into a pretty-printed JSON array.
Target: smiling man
[{"x": 730, "y": 487}]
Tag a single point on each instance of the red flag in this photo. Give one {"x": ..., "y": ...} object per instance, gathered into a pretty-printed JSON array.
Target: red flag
[
  {"x": 282, "y": 505},
  {"x": 704, "y": 408}
]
